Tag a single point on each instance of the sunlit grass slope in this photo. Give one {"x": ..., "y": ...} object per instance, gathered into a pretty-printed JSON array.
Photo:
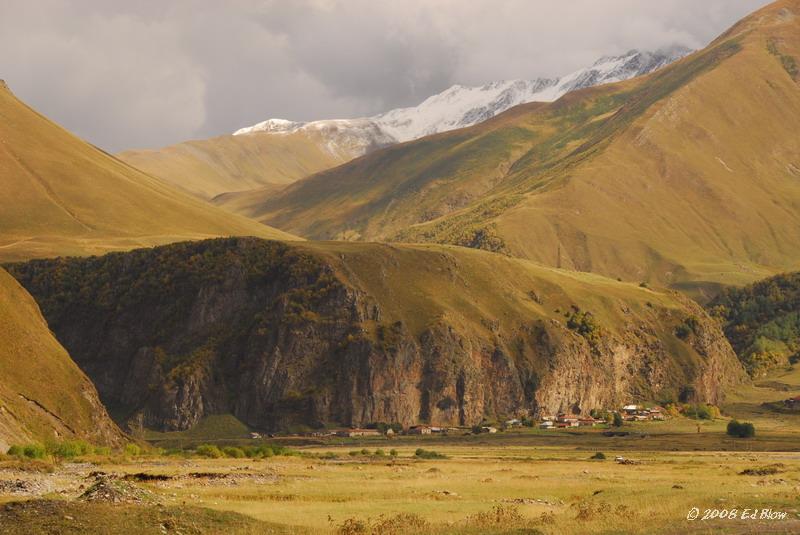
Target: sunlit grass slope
[
  {"x": 62, "y": 196},
  {"x": 210, "y": 167},
  {"x": 43, "y": 394},
  {"x": 689, "y": 176}
]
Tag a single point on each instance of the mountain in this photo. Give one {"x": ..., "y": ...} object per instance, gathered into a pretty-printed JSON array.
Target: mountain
[
  {"x": 281, "y": 334},
  {"x": 61, "y": 196},
  {"x": 43, "y": 394},
  {"x": 276, "y": 152},
  {"x": 211, "y": 167},
  {"x": 762, "y": 321},
  {"x": 688, "y": 176},
  {"x": 462, "y": 106}
]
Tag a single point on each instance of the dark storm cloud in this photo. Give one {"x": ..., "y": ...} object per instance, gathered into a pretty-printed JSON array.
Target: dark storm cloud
[{"x": 148, "y": 73}]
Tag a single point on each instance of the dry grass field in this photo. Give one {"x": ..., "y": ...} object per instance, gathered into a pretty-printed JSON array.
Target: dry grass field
[{"x": 517, "y": 481}]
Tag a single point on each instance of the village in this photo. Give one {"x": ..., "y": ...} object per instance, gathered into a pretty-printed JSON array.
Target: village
[{"x": 628, "y": 413}]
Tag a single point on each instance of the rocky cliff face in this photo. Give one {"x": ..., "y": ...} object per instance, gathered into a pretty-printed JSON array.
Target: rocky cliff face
[{"x": 351, "y": 334}]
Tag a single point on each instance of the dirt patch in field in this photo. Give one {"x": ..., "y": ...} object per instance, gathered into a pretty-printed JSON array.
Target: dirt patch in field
[
  {"x": 767, "y": 470},
  {"x": 116, "y": 491}
]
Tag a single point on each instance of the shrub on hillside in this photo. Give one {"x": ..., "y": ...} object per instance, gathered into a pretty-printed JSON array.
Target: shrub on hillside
[
  {"x": 690, "y": 325},
  {"x": 583, "y": 323},
  {"x": 598, "y": 455},
  {"x": 741, "y": 429}
]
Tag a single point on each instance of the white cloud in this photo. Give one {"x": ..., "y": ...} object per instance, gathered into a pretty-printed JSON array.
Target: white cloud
[{"x": 147, "y": 73}]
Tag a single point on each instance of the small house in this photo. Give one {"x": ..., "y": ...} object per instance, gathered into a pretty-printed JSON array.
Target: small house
[
  {"x": 358, "y": 432},
  {"x": 630, "y": 409},
  {"x": 420, "y": 430},
  {"x": 547, "y": 424},
  {"x": 488, "y": 429},
  {"x": 255, "y": 436},
  {"x": 568, "y": 420}
]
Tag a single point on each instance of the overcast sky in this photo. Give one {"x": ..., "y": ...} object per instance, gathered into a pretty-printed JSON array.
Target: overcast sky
[{"x": 145, "y": 73}]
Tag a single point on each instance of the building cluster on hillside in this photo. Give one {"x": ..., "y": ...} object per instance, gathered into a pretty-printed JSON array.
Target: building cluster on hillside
[
  {"x": 568, "y": 420},
  {"x": 638, "y": 413},
  {"x": 372, "y": 432},
  {"x": 629, "y": 413}
]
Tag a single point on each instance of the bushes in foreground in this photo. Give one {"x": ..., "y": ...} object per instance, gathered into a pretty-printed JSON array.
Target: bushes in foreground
[
  {"x": 65, "y": 449},
  {"x": 132, "y": 450},
  {"x": 379, "y": 453},
  {"x": 211, "y": 451},
  {"x": 741, "y": 429},
  {"x": 428, "y": 454},
  {"x": 69, "y": 449},
  {"x": 28, "y": 451}
]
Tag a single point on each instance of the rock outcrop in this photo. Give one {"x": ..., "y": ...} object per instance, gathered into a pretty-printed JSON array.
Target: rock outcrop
[{"x": 350, "y": 334}]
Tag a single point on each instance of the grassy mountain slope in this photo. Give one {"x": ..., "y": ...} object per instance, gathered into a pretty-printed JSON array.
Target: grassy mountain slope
[
  {"x": 210, "y": 167},
  {"x": 762, "y": 321},
  {"x": 688, "y": 176},
  {"x": 61, "y": 195},
  {"x": 43, "y": 394},
  {"x": 282, "y": 334}
]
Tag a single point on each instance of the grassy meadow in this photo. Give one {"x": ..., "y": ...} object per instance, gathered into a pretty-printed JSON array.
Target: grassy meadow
[
  {"x": 513, "y": 482},
  {"x": 516, "y": 481}
]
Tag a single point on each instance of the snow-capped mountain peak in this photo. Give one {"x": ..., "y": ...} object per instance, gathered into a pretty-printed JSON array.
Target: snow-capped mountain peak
[{"x": 460, "y": 106}]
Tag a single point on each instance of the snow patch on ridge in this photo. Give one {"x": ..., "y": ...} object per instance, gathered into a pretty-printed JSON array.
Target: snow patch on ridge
[{"x": 461, "y": 106}]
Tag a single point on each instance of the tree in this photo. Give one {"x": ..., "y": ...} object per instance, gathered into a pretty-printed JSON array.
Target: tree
[
  {"x": 617, "y": 422},
  {"x": 741, "y": 429}
]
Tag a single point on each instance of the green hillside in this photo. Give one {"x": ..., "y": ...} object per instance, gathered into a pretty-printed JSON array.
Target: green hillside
[
  {"x": 689, "y": 176},
  {"x": 43, "y": 394},
  {"x": 62, "y": 196}
]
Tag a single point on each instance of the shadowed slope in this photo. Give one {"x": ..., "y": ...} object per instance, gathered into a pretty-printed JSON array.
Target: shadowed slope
[{"x": 312, "y": 333}]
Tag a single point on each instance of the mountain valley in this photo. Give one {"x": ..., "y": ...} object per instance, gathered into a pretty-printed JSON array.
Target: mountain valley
[{"x": 653, "y": 179}]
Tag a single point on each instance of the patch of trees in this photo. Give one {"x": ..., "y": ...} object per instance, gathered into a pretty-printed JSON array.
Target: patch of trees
[
  {"x": 741, "y": 429},
  {"x": 762, "y": 321},
  {"x": 583, "y": 323},
  {"x": 690, "y": 325}
]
